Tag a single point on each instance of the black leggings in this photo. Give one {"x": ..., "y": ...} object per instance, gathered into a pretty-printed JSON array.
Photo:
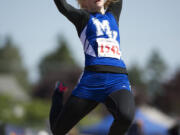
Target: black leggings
[{"x": 120, "y": 104}]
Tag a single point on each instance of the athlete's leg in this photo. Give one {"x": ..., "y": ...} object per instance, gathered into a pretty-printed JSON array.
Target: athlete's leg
[
  {"x": 121, "y": 105},
  {"x": 65, "y": 117},
  {"x": 57, "y": 102}
]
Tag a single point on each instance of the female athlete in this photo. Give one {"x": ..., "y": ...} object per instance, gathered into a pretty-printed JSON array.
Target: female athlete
[{"x": 105, "y": 78}]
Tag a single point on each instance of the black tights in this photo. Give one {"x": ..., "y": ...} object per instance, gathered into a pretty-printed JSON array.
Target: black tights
[{"x": 120, "y": 104}]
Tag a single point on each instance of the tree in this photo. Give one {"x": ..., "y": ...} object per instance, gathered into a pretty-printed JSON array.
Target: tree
[
  {"x": 58, "y": 65},
  {"x": 155, "y": 73},
  {"x": 33, "y": 113},
  {"x": 169, "y": 101},
  {"x": 136, "y": 74},
  {"x": 56, "y": 60},
  {"x": 11, "y": 62},
  {"x": 36, "y": 113}
]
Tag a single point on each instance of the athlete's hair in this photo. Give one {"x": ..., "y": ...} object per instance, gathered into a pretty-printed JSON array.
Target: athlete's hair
[
  {"x": 79, "y": 2},
  {"x": 106, "y": 4}
]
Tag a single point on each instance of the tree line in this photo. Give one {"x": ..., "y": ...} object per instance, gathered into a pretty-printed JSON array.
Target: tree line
[{"x": 150, "y": 83}]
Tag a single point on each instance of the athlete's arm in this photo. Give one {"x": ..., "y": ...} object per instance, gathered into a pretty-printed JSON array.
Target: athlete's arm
[
  {"x": 115, "y": 9},
  {"x": 77, "y": 16}
]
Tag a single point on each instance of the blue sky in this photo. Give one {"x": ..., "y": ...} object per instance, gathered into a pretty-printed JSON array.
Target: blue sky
[{"x": 144, "y": 25}]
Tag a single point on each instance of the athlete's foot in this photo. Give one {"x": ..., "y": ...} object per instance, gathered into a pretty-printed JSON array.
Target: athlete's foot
[
  {"x": 60, "y": 87},
  {"x": 57, "y": 101}
]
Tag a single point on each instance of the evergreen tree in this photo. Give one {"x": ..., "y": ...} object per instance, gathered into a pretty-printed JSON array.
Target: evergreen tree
[
  {"x": 155, "y": 73},
  {"x": 11, "y": 62},
  {"x": 58, "y": 65},
  {"x": 57, "y": 60},
  {"x": 170, "y": 101},
  {"x": 136, "y": 77}
]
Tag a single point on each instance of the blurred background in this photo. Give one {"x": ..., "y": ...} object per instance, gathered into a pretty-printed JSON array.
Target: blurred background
[{"x": 39, "y": 46}]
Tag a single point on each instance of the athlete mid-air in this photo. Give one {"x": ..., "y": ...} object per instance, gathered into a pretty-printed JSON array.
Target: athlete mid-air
[{"x": 105, "y": 78}]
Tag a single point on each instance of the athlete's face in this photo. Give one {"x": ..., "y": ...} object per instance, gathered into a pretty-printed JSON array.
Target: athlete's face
[{"x": 94, "y": 5}]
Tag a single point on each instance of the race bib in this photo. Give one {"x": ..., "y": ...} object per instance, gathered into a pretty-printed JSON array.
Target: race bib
[{"x": 108, "y": 48}]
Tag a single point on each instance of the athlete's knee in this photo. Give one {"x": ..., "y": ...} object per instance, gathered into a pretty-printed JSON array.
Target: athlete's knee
[
  {"x": 122, "y": 122},
  {"x": 121, "y": 105},
  {"x": 123, "y": 119},
  {"x": 125, "y": 115},
  {"x": 125, "y": 108}
]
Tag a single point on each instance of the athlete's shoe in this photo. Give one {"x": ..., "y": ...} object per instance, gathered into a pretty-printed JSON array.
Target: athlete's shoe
[{"x": 60, "y": 87}]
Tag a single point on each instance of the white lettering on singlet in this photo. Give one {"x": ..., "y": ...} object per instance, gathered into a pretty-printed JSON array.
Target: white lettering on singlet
[
  {"x": 107, "y": 47},
  {"x": 104, "y": 27}
]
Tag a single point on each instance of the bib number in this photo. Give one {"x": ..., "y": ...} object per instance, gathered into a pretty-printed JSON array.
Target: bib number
[{"x": 108, "y": 48}]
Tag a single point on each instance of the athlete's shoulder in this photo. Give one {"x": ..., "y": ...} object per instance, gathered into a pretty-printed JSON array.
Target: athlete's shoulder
[{"x": 82, "y": 21}]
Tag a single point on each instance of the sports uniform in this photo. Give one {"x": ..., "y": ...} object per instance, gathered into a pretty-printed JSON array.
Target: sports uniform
[{"x": 104, "y": 78}]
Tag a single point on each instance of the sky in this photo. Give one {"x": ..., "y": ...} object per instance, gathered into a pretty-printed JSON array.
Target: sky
[{"x": 34, "y": 26}]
